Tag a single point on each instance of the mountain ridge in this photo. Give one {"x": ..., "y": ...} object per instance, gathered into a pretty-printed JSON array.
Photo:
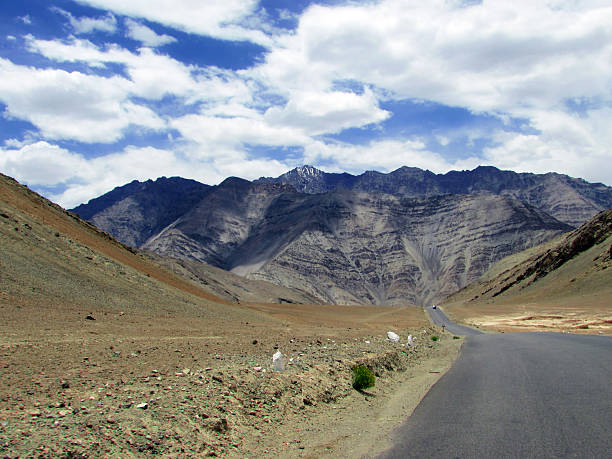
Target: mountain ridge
[
  {"x": 581, "y": 199},
  {"x": 409, "y": 236}
]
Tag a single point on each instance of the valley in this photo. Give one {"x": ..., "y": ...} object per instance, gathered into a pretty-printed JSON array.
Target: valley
[
  {"x": 117, "y": 351},
  {"x": 109, "y": 353},
  {"x": 407, "y": 237}
]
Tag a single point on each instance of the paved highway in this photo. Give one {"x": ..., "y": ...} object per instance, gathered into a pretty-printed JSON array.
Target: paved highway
[
  {"x": 522, "y": 395},
  {"x": 440, "y": 319}
]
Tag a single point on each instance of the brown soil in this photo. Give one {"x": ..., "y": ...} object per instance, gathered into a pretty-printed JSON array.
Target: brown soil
[
  {"x": 105, "y": 353},
  {"x": 564, "y": 286}
]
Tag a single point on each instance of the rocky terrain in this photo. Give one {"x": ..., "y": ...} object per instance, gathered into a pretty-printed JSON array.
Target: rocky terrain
[
  {"x": 105, "y": 353},
  {"x": 564, "y": 285},
  {"x": 568, "y": 199},
  {"x": 345, "y": 247},
  {"x": 139, "y": 210},
  {"x": 374, "y": 239}
]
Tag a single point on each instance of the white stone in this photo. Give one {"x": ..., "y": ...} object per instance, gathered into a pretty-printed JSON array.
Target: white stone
[{"x": 394, "y": 337}]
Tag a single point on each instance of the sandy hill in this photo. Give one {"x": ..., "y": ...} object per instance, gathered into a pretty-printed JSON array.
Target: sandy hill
[
  {"x": 107, "y": 353},
  {"x": 565, "y": 284}
]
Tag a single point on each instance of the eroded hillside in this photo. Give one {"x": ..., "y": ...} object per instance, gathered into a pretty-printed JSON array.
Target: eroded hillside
[{"x": 562, "y": 285}]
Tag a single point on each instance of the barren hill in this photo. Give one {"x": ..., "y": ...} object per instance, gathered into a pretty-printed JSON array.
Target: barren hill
[
  {"x": 373, "y": 239},
  {"x": 568, "y": 199},
  {"x": 105, "y": 353},
  {"x": 354, "y": 248},
  {"x": 564, "y": 284}
]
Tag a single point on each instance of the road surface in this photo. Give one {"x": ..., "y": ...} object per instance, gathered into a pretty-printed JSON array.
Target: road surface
[
  {"x": 517, "y": 395},
  {"x": 440, "y": 319}
]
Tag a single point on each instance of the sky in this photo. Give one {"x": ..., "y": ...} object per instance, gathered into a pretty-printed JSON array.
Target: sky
[{"x": 97, "y": 93}]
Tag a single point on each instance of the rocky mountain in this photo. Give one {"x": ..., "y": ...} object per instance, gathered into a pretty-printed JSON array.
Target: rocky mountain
[
  {"x": 50, "y": 257},
  {"x": 410, "y": 236},
  {"x": 577, "y": 262},
  {"x": 347, "y": 247},
  {"x": 568, "y": 199},
  {"x": 136, "y": 211},
  {"x": 564, "y": 285}
]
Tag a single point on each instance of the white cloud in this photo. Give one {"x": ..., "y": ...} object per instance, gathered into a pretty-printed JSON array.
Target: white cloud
[
  {"x": 577, "y": 146},
  {"x": 41, "y": 163},
  {"x": 383, "y": 156},
  {"x": 151, "y": 75},
  {"x": 27, "y": 20},
  {"x": 495, "y": 56},
  {"x": 145, "y": 35},
  {"x": 328, "y": 112},
  {"x": 72, "y": 105},
  {"x": 215, "y": 134},
  {"x": 83, "y": 25},
  {"x": 217, "y": 18}
]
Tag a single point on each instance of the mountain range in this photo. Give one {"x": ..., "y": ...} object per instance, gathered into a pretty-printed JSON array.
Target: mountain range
[{"x": 407, "y": 237}]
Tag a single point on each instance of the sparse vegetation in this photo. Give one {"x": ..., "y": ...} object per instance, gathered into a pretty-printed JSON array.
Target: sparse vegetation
[
  {"x": 435, "y": 338},
  {"x": 456, "y": 337},
  {"x": 363, "y": 378}
]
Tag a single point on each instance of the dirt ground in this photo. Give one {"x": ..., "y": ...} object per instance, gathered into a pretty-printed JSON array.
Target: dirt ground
[
  {"x": 104, "y": 353},
  {"x": 128, "y": 384},
  {"x": 591, "y": 316}
]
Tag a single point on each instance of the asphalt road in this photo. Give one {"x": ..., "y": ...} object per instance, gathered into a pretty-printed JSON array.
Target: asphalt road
[
  {"x": 521, "y": 395},
  {"x": 440, "y": 319}
]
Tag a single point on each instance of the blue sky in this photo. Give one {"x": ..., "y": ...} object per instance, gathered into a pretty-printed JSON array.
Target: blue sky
[{"x": 97, "y": 93}]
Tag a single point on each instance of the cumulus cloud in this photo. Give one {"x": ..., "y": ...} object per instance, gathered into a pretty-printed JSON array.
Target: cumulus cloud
[
  {"x": 43, "y": 164},
  {"x": 568, "y": 144},
  {"x": 145, "y": 35},
  {"x": 213, "y": 134},
  {"x": 328, "y": 112},
  {"x": 216, "y": 18},
  {"x": 84, "y": 25},
  {"x": 493, "y": 56},
  {"x": 383, "y": 156},
  {"x": 151, "y": 75},
  {"x": 72, "y": 105}
]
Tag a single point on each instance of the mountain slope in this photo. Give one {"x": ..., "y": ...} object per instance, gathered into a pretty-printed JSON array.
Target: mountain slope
[
  {"x": 567, "y": 281},
  {"x": 52, "y": 257},
  {"x": 409, "y": 236},
  {"x": 347, "y": 247},
  {"x": 137, "y": 211},
  {"x": 570, "y": 200}
]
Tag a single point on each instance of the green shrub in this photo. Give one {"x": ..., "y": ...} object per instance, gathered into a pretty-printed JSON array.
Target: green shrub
[
  {"x": 362, "y": 377},
  {"x": 456, "y": 337},
  {"x": 434, "y": 338}
]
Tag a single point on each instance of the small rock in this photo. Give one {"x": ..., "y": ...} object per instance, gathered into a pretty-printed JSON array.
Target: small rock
[
  {"x": 142, "y": 406},
  {"x": 219, "y": 425},
  {"x": 62, "y": 413},
  {"x": 255, "y": 341},
  {"x": 393, "y": 337},
  {"x": 65, "y": 385},
  {"x": 90, "y": 317},
  {"x": 34, "y": 413}
]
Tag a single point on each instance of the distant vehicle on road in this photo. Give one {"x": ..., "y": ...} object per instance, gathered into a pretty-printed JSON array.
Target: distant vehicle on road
[{"x": 434, "y": 307}]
